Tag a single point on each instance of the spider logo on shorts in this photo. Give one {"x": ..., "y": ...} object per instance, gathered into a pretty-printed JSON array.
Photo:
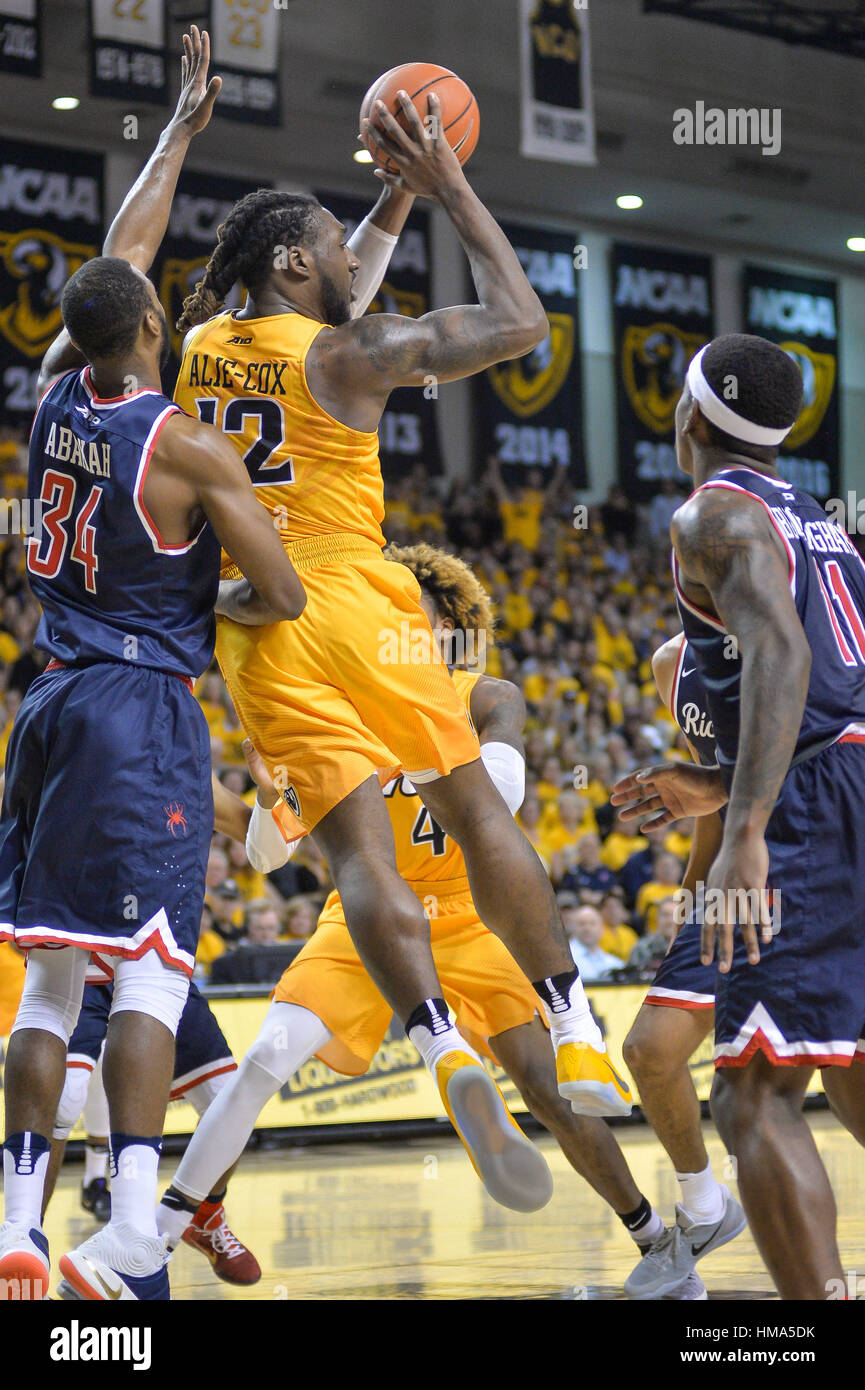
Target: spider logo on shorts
[{"x": 176, "y": 819}]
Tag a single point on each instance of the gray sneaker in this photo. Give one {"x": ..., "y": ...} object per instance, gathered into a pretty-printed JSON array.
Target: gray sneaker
[
  {"x": 692, "y": 1289},
  {"x": 669, "y": 1261}
]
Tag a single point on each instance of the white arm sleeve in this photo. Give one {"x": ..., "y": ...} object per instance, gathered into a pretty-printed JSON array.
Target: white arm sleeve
[
  {"x": 507, "y": 770},
  {"x": 373, "y": 248},
  {"x": 266, "y": 849}
]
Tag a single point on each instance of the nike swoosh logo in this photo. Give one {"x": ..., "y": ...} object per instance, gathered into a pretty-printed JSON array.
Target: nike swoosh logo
[
  {"x": 698, "y": 1249},
  {"x": 109, "y": 1292},
  {"x": 688, "y": 672}
]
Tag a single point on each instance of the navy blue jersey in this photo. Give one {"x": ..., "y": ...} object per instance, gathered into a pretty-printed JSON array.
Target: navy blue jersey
[
  {"x": 110, "y": 589},
  {"x": 827, "y": 581},
  {"x": 690, "y": 707}
]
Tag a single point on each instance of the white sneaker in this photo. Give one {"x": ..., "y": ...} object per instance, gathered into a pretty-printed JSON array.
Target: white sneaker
[
  {"x": 118, "y": 1262},
  {"x": 24, "y": 1262}
]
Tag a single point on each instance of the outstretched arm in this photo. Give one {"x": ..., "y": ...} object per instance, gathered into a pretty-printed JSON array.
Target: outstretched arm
[
  {"x": 370, "y": 357},
  {"x": 373, "y": 243},
  {"x": 137, "y": 231},
  {"x": 195, "y": 466},
  {"x": 729, "y": 549}
]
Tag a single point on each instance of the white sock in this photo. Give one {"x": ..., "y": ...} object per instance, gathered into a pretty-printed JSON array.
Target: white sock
[
  {"x": 574, "y": 1023},
  {"x": 24, "y": 1188},
  {"x": 435, "y": 1036},
  {"x": 95, "y": 1160},
  {"x": 289, "y": 1036},
  {"x": 649, "y": 1232},
  {"x": 133, "y": 1187},
  {"x": 702, "y": 1197}
]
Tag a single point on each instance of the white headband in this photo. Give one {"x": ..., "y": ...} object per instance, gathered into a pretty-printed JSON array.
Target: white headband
[{"x": 720, "y": 414}]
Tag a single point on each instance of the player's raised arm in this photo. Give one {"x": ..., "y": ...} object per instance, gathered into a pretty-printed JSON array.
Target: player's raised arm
[
  {"x": 729, "y": 549},
  {"x": 498, "y": 712},
  {"x": 200, "y": 459},
  {"x": 373, "y": 355},
  {"x": 373, "y": 242},
  {"x": 137, "y": 231}
]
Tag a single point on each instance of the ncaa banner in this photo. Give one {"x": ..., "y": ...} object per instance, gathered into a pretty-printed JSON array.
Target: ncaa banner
[
  {"x": 662, "y": 315},
  {"x": 529, "y": 411},
  {"x": 51, "y": 222},
  {"x": 245, "y": 37},
  {"x": 556, "y": 85},
  {"x": 408, "y": 432},
  {"x": 202, "y": 202},
  {"x": 21, "y": 37},
  {"x": 800, "y": 314},
  {"x": 127, "y": 50}
]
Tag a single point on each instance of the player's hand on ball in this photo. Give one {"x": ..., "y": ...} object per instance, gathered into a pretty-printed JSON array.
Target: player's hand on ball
[
  {"x": 268, "y": 795},
  {"x": 736, "y": 896},
  {"x": 195, "y": 103},
  {"x": 670, "y": 790},
  {"x": 425, "y": 160}
]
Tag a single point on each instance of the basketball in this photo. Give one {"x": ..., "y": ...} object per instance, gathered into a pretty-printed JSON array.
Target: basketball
[{"x": 459, "y": 110}]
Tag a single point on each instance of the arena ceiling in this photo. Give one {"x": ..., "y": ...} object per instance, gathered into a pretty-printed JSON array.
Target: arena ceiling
[
  {"x": 838, "y": 26},
  {"x": 804, "y": 202}
]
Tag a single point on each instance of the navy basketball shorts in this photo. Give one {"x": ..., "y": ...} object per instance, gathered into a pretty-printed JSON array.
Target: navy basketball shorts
[
  {"x": 107, "y": 814},
  {"x": 681, "y": 981},
  {"x": 804, "y": 1003},
  {"x": 201, "y": 1051}
]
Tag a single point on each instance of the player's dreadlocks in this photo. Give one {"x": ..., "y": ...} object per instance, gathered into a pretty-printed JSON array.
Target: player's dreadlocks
[
  {"x": 245, "y": 248},
  {"x": 456, "y": 592}
]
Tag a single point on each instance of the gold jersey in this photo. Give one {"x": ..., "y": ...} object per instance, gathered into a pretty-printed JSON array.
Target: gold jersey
[
  {"x": 316, "y": 476},
  {"x": 424, "y": 853}
]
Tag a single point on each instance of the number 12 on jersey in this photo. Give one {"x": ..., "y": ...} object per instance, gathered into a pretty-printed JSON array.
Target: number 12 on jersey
[{"x": 263, "y": 469}]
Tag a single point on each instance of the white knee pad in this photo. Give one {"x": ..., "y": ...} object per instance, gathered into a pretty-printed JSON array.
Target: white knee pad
[
  {"x": 71, "y": 1101},
  {"x": 149, "y": 986},
  {"x": 288, "y": 1037},
  {"x": 53, "y": 989}
]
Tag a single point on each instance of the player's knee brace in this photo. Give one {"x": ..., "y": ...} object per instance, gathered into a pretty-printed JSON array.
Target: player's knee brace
[
  {"x": 53, "y": 990},
  {"x": 72, "y": 1101},
  {"x": 289, "y": 1036},
  {"x": 149, "y": 986}
]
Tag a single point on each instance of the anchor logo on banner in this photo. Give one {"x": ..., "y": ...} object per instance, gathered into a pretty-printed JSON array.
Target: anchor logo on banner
[
  {"x": 818, "y": 376},
  {"x": 527, "y": 385},
  {"x": 655, "y": 359}
]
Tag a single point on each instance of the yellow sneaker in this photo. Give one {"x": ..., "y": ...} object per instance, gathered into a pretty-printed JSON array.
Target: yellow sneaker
[
  {"x": 587, "y": 1079},
  {"x": 513, "y": 1171}
]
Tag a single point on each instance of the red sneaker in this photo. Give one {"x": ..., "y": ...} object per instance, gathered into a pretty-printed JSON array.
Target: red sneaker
[{"x": 209, "y": 1233}]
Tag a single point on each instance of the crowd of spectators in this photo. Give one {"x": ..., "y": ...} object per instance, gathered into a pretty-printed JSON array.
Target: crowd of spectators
[{"x": 583, "y": 598}]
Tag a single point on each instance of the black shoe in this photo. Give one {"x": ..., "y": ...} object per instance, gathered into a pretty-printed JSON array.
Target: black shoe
[{"x": 96, "y": 1198}]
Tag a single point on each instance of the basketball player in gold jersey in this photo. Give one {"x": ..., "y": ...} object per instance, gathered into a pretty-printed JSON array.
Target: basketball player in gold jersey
[
  {"x": 326, "y": 1004},
  {"x": 330, "y": 702}
]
